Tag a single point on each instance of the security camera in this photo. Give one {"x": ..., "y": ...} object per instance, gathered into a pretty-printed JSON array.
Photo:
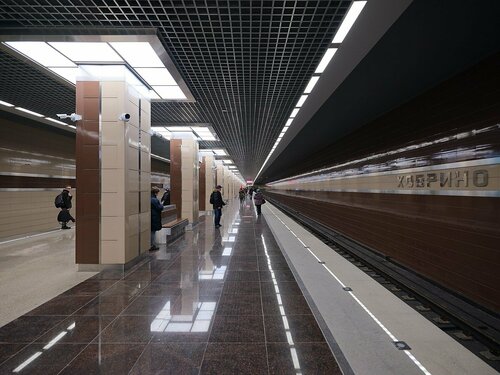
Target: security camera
[
  {"x": 73, "y": 117},
  {"x": 124, "y": 117}
]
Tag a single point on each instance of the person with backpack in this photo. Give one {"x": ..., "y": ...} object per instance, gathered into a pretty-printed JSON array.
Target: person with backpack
[
  {"x": 258, "y": 200},
  {"x": 217, "y": 203},
  {"x": 63, "y": 201}
]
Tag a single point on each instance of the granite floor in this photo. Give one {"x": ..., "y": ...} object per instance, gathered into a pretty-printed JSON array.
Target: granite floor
[{"x": 217, "y": 301}]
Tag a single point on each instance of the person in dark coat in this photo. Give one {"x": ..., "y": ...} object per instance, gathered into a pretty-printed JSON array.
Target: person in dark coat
[
  {"x": 217, "y": 203},
  {"x": 156, "y": 209},
  {"x": 165, "y": 200},
  {"x": 258, "y": 200},
  {"x": 64, "y": 215}
]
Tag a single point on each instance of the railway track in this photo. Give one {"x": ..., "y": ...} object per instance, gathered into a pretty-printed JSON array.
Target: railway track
[{"x": 472, "y": 326}]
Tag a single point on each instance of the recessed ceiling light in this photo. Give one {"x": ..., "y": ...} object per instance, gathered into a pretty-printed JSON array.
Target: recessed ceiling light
[
  {"x": 28, "y": 111},
  {"x": 169, "y": 92},
  {"x": 42, "y": 53},
  {"x": 6, "y": 104},
  {"x": 56, "y": 121},
  {"x": 301, "y": 101},
  {"x": 157, "y": 76},
  {"x": 179, "y": 128},
  {"x": 325, "y": 60},
  {"x": 69, "y": 74},
  {"x": 294, "y": 112},
  {"x": 87, "y": 51},
  {"x": 289, "y": 122},
  {"x": 138, "y": 54},
  {"x": 219, "y": 152},
  {"x": 311, "y": 84},
  {"x": 349, "y": 19}
]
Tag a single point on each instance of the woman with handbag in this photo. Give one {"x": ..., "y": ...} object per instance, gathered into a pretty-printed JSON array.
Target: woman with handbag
[{"x": 258, "y": 200}]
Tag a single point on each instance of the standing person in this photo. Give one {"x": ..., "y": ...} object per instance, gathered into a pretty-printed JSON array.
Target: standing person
[
  {"x": 165, "y": 200},
  {"x": 241, "y": 194},
  {"x": 63, "y": 201},
  {"x": 258, "y": 200},
  {"x": 217, "y": 203},
  {"x": 156, "y": 209}
]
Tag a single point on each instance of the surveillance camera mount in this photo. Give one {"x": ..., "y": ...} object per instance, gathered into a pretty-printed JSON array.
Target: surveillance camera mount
[{"x": 73, "y": 117}]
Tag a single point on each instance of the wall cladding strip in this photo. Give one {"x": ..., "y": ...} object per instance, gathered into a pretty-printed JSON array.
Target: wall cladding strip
[
  {"x": 21, "y": 182},
  {"x": 451, "y": 240}
]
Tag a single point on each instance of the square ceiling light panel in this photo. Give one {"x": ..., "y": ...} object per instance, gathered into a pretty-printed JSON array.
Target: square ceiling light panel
[{"x": 144, "y": 56}]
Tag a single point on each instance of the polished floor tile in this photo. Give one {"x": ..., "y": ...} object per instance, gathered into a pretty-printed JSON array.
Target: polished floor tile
[
  {"x": 242, "y": 276},
  {"x": 301, "y": 328},
  {"x": 281, "y": 287},
  {"x": 170, "y": 358},
  {"x": 126, "y": 288},
  {"x": 105, "y": 359},
  {"x": 127, "y": 329},
  {"x": 105, "y": 305},
  {"x": 40, "y": 359},
  {"x": 62, "y": 305},
  {"x": 90, "y": 287},
  {"x": 242, "y": 287},
  {"x": 76, "y": 330},
  {"x": 28, "y": 328},
  {"x": 213, "y": 302},
  {"x": 239, "y": 304},
  {"x": 291, "y": 304},
  {"x": 150, "y": 305},
  {"x": 238, "y": 328},
  {"x": 8, "y": 350},
  {"x": 306, "y": 359},
  {"x": 230, "y": 359}
]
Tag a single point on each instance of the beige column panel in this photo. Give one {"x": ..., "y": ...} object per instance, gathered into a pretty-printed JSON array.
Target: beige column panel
[
  {"x": 122, "y": 181},
  {"x": 187, "y": 180},
  {"x": 210, "y": 172},
  {"x": 227, "y": 183},
  {"x": 145, "y": 177},
  {"x": 220, "y": 172}
]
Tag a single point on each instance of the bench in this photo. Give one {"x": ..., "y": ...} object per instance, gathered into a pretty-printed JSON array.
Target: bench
[{"x": 174, "y": 229}]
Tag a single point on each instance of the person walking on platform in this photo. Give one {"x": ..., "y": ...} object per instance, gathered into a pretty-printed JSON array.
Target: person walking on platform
[
  {"x": 156, "y": 209},
  {"x": 217, "y": 203},
  {"x": 63, "y": 201},
  {"x": 241, "y": 194},
  {"x": 258, "y": 200}
]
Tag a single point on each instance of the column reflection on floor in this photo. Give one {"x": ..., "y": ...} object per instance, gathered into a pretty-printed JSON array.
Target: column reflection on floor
[{"x": 217, "y": 301}]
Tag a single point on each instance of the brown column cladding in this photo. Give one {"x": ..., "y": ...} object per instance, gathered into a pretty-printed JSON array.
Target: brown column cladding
[
  {"x": 176, "y": 175},
  {"x": 202, "y": 178},
  {"x": 87, "y": 173}
]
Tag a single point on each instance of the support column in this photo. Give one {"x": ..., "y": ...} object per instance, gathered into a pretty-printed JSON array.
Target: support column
[
  {"x": 207, "y": 182},
  {"x": 184, "y": 180},
  {"x": 113, "y": 173}
]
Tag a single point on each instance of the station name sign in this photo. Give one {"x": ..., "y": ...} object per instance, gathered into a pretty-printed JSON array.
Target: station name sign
[{"x": 465, "y": 178}]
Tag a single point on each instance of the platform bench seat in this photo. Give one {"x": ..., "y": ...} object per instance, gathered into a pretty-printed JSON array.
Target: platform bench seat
[{"x": 175, "y": 229}]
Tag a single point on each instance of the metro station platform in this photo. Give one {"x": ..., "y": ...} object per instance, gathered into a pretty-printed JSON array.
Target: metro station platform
[{"x": 260, "y": 295}]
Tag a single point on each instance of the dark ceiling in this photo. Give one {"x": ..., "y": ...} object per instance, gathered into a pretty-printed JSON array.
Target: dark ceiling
[
  {"x": 245, "y": 62},
  {"x": 419, "y": 51}
]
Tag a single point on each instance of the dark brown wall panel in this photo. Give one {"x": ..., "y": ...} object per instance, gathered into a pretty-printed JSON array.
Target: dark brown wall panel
[
  {"x": 87, "y": 172},
  {"x": 462, "y": 256},
  {"x": 22, "y": 182},
  {"x": 176, "y": 175}
]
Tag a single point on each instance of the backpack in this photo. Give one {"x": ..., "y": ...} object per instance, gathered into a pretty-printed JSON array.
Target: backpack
[
  {"x": 212, "y": 198},
  {"x": 59, "y": 202}
]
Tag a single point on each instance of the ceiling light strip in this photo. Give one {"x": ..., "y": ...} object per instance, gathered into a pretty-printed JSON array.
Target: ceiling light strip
[{"x": 349, "y": 19}]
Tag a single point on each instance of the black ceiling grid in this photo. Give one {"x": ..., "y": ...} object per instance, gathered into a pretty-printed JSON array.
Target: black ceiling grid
[{"x": 245, "y": 62}]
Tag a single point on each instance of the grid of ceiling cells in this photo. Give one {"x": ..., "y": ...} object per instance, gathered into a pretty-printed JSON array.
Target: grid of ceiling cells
[{"x": 246, "y": 62}]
